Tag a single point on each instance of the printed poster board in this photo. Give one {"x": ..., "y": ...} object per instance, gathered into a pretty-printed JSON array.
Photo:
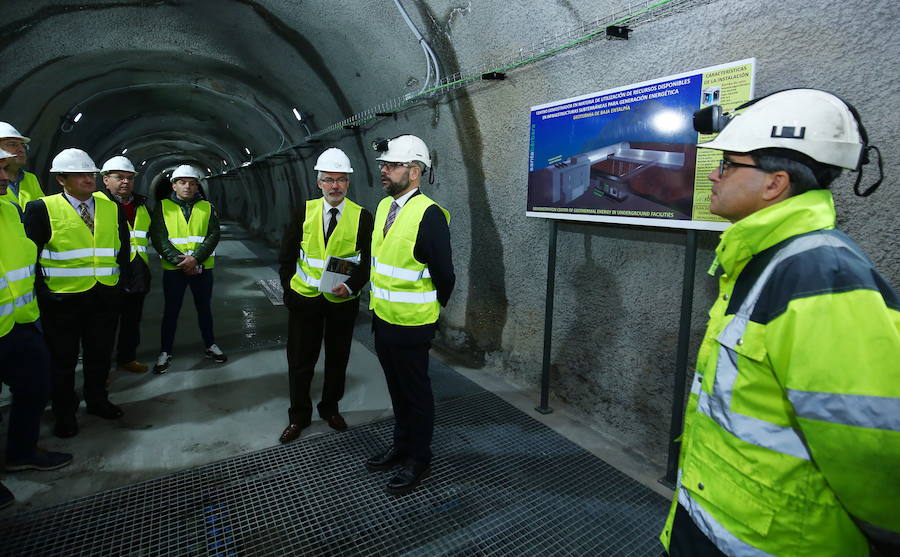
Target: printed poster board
[{"x": 629, "y": 155}]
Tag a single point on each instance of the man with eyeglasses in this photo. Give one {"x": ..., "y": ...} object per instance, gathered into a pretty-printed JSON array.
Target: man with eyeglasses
[
  {"x": 23, "y": 185},
  {"x": 118, "y": 176},
  {"x": 412, "y": 278},
  {"x": 329, "y": 226},
  {"x": 791, "y": 442},
  {"x": 83, "y": 246},
  {"x": 24, "y": 360}
]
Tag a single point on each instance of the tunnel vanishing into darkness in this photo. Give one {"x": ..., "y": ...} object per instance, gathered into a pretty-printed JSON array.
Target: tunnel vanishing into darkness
[{"x": 253, "y": 90}]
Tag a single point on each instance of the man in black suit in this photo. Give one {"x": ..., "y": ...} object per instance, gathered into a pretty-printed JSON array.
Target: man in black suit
[
  {"x": 412, "y": 278},
  {"x": 330, "y": 226},
  {"x": 83, "y": 244}
]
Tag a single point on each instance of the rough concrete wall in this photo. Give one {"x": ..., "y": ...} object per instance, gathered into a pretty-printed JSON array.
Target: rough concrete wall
[{"x": 619, "y": 288}]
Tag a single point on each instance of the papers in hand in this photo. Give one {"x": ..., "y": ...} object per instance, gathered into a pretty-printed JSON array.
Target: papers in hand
[{"x": 337, "y": 270}]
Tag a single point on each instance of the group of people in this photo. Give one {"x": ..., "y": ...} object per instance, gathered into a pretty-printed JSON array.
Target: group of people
[
  {"x": 791, "y": 444},
  {"x": 74, "y": 272},
  {"x": 405, "y": 253}
]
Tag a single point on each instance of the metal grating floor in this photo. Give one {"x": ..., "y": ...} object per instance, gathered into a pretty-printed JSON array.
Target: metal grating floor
[{"x": 502, "y": 483}]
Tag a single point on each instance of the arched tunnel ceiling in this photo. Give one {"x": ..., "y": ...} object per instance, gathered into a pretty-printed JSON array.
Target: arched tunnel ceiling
[{"x": 215, "y": 78}]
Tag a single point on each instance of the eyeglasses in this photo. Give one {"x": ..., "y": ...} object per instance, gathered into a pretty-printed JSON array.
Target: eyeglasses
[
  {"x": 10, "y": 145},
  {"x": 343, "y": 180},
  {"x": 726, "y": 164},
  {"x": 390, "y": 166}
]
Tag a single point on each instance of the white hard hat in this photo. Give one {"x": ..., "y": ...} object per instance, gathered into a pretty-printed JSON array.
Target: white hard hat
[
  {"x": 333, "y": 160},
  {"x": 73, "y": 160},
  {"x": 8, "y": 130},
  {"x": 809, "y": 121},
  {"x": 186, "y": 171},
  {"x": 406, "y": 148},
  {"x": 5, "y": 155},
  {"x": 118, "y": 163}
]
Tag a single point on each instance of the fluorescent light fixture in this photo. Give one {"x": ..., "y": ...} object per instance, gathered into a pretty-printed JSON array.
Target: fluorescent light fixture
[
  {"x": 208, "y": 170},
  {"x": 246, "y": 150},
  {"x": 297, "y": 115},
  {"x": 125, "y": 150},
  {"x": 224, "y": 162},
  {"x": 77, "y": 117},
  {"x": 143, "y": 163}
]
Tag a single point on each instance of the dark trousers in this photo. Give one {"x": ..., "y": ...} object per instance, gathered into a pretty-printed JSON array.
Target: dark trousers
[
  {"x": 129, "y": 327},
  {"x": 25, "y": 367},
  {"x": 174, "y": 285},
  {"x": 406, "y": 372},
  {"x": 312, "y": 321},
  {"x": 86, "y": 320},
  {"x": 687, "y": 540}
]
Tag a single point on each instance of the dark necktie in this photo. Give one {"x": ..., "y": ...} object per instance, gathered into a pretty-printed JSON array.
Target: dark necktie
[
  {"x": 331, "y": 224},
  {"x": 86, "y": 216},
  {"x": 392, "y": 214}
]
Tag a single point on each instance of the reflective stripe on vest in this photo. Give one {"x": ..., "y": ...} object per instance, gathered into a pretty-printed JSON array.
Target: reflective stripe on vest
[
  {"x": 186, "y": 235},
  {"x": 402, "y": 290},
  {"x": 727, "y": 542},
  {"x": 314, "y": 253},
  {"x": 783, "y": 439},
  {"x": 138, "y": 233},
  {"x": 74, "y": 259},
  {"x": 17, "y": 267}
]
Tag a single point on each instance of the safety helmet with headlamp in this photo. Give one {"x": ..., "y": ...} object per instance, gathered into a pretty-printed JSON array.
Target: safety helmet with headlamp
[{"x": 815, "y": 123}]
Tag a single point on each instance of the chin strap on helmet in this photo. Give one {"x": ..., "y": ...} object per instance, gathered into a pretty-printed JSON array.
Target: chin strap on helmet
[{"x": 865, "y": 160}]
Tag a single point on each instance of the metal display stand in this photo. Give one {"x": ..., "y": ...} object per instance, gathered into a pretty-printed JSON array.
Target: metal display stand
[{"x": 681, "y": 357}]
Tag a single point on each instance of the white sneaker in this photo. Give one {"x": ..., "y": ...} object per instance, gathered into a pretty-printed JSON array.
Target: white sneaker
[
  {"x": 215, "y": 353},
  {"x": 162, "y": 363}
]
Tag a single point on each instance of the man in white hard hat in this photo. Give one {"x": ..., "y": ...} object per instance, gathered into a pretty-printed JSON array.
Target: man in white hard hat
[
  {"x": 184, "y": 230},
  {"x": 118, "y": 176},
  {"x": 791, "y": 443},
  {"x": 82, "y": 239},
  {"x": 24, "y": 360},
  {"x": 23, "y": 185},
  {"x": 331, "y": 228},
  {"x": 412, "y": 277}
]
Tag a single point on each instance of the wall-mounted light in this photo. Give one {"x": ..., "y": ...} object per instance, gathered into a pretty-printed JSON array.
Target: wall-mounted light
[
  {"x": 125, "y": 150},
  {"x": 246, "y": 150},
  {"x": 143, "y": 163},
  {"x": 69, "y": 121},
  {"x": 208, "y": 170},
  {"x": 224, "y": 162},
  {"x": 297, "y": 115}
]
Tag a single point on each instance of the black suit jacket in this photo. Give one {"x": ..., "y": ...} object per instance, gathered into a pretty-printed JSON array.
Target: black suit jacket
[{"x": 290, "y": 251}]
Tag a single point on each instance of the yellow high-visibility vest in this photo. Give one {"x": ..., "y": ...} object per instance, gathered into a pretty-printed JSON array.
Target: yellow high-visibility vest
[
  {"x": 187, "y": 235},
  {"x": 17, "y": 301},
  {"x": 74, "y": 260},
  {"x": 314, "y": 252},
  {"x": 29, "y": 190},
  {"x": 402, "y": 290},
  {"x": 138, "y": 232}
]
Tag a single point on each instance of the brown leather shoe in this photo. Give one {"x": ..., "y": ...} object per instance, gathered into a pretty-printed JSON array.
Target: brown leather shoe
[
  {"x": 134, "y": 366},
  {"x": 291, "y": 433},
  {"x": 336, "y": 421}
]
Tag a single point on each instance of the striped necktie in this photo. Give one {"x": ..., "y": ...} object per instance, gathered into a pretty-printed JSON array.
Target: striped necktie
[
  {"x": 86, "y": 216},
  {"x": 392, "y": 214}
]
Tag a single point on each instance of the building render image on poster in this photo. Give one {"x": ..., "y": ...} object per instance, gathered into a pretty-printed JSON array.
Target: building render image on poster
[{"x": 629, "y": 155}]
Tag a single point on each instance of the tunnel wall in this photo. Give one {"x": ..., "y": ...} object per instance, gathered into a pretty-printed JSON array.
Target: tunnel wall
[{"x": 618, "y": 288}]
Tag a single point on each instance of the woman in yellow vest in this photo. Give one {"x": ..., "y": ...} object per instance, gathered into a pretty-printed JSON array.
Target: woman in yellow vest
[
  {"x": 24, "y": 360},
  {"x": 83, "y": 246},
  {"x": 118, "y": 177},
  {"x": 184, "y": 230}
]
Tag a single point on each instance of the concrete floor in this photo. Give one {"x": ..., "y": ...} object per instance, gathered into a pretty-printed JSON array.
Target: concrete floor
[{"x": 201, "y": 412}]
